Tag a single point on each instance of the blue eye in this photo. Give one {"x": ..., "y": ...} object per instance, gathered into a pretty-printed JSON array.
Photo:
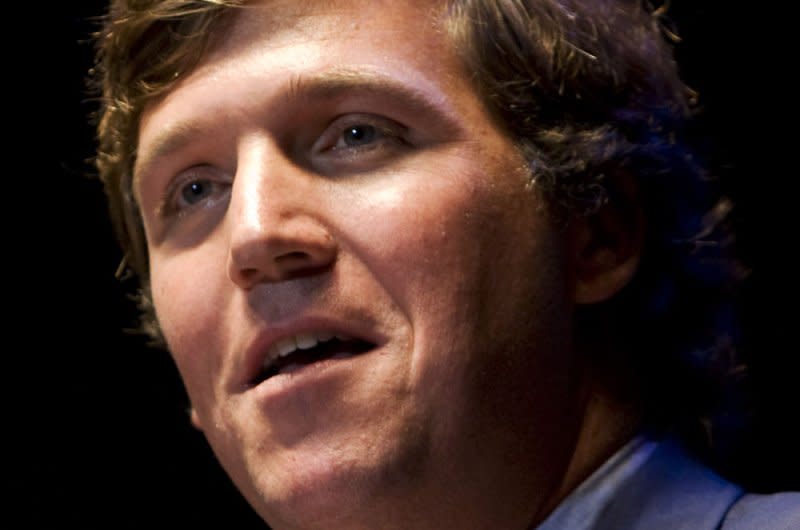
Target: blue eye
[
  {"x": 198, "y": 187},
  {"x": 357, "y": 142},
  {"x": 196, "y": 190},
  {"x": 359, "y": 135}
]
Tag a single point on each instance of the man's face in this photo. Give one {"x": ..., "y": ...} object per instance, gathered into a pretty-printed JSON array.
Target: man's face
[{"x": 328, "y": 176}]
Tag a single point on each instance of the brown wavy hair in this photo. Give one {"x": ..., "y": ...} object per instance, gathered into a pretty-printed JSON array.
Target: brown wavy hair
[{"x": 587, "y": 89}]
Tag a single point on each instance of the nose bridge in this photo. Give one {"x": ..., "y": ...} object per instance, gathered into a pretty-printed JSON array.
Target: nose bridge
[
  {"x": 262, "y": 189},
  {"x": 275, "y": 232}
]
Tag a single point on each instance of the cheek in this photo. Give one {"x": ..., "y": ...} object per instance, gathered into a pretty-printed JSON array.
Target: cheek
[
  {"x": 187, "y": 306},
  {"x": 409, "y": 229},
  {"x": 451, "y": 247}
]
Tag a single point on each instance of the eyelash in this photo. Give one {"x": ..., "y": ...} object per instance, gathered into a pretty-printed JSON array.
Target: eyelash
[
  {"x": 170, "y": 205},
  {"x": 386, "y": 132}
]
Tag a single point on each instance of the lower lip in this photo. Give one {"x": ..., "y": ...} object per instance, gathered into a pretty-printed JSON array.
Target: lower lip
[{"x": 300, "y": 377}]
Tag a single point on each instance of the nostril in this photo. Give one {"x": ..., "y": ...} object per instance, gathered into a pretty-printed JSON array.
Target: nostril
[
  {"x": 248, "y": 275},
  {"x": 289, "y": 263},
  {"x": 288, "y": 266},
  {"x": 291, "y": 257},
  {"x": 279, "y": 254},
  {"x": 297, "y": 270}
]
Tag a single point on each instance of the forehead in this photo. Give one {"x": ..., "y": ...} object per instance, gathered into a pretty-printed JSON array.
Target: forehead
[
  {"x": 305, "y": 33},
  {"x": 286, "y": 19},
  {"x": 269, "y": 52}
]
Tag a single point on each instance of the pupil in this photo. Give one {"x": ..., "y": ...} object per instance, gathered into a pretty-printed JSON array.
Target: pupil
[
  {"x": 195, "y": 190},
  {"x": 360, "y": 134}
]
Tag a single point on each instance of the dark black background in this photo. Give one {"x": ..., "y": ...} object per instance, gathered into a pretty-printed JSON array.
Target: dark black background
[{"x": 97, "y": 421}]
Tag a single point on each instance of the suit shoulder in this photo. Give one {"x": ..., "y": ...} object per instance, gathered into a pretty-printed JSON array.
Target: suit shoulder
[{"x": 777, "y": 511}]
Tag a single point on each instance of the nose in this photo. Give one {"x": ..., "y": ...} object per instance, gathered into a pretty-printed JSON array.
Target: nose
[{"x": 276, "y": 231}]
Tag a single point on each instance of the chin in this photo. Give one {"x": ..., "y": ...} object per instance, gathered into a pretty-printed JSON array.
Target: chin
[{"x": 320, "y": 493}]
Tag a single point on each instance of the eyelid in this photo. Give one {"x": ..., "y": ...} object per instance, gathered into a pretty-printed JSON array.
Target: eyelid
[
  {"x": 332, "y": 133},
  {"x": 167, "y": 206}
]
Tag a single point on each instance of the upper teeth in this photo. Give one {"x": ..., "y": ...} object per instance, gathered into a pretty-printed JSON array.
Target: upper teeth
[{"x": 301, "y": 341}]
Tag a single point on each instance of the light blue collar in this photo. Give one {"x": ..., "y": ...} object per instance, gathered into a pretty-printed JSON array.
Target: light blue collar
[{"x": 581, "y": 508}]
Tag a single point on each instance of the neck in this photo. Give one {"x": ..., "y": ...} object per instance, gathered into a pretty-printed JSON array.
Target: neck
[{"x": 607, "y": 425}]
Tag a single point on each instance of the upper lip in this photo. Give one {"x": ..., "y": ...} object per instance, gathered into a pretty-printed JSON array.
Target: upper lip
[{"x": 261, "y": 349}]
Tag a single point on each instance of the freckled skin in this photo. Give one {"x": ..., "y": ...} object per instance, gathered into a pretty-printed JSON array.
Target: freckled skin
[{"x": 438, "y": 244}]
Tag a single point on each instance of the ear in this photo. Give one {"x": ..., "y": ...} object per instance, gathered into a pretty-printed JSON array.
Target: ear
[
  {"x": 606, "y": 246},
  {"x": 195, "y": 419}
]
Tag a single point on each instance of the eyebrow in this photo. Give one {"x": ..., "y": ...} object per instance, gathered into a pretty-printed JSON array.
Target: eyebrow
[
  {"x": 171, "y": 140},
  {"x": 330, "y": 85},
  {"x": 338, "y": 82}
]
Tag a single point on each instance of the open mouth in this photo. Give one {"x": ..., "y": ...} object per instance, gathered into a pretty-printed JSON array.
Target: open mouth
[{"x": 293, "y": 353}]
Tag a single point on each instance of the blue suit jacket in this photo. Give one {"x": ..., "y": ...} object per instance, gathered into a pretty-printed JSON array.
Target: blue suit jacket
[{"x": 672, "y": 491}]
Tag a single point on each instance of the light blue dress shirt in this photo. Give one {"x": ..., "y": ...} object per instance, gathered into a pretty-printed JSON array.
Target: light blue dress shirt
[{"x": 580, "y": 509}]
